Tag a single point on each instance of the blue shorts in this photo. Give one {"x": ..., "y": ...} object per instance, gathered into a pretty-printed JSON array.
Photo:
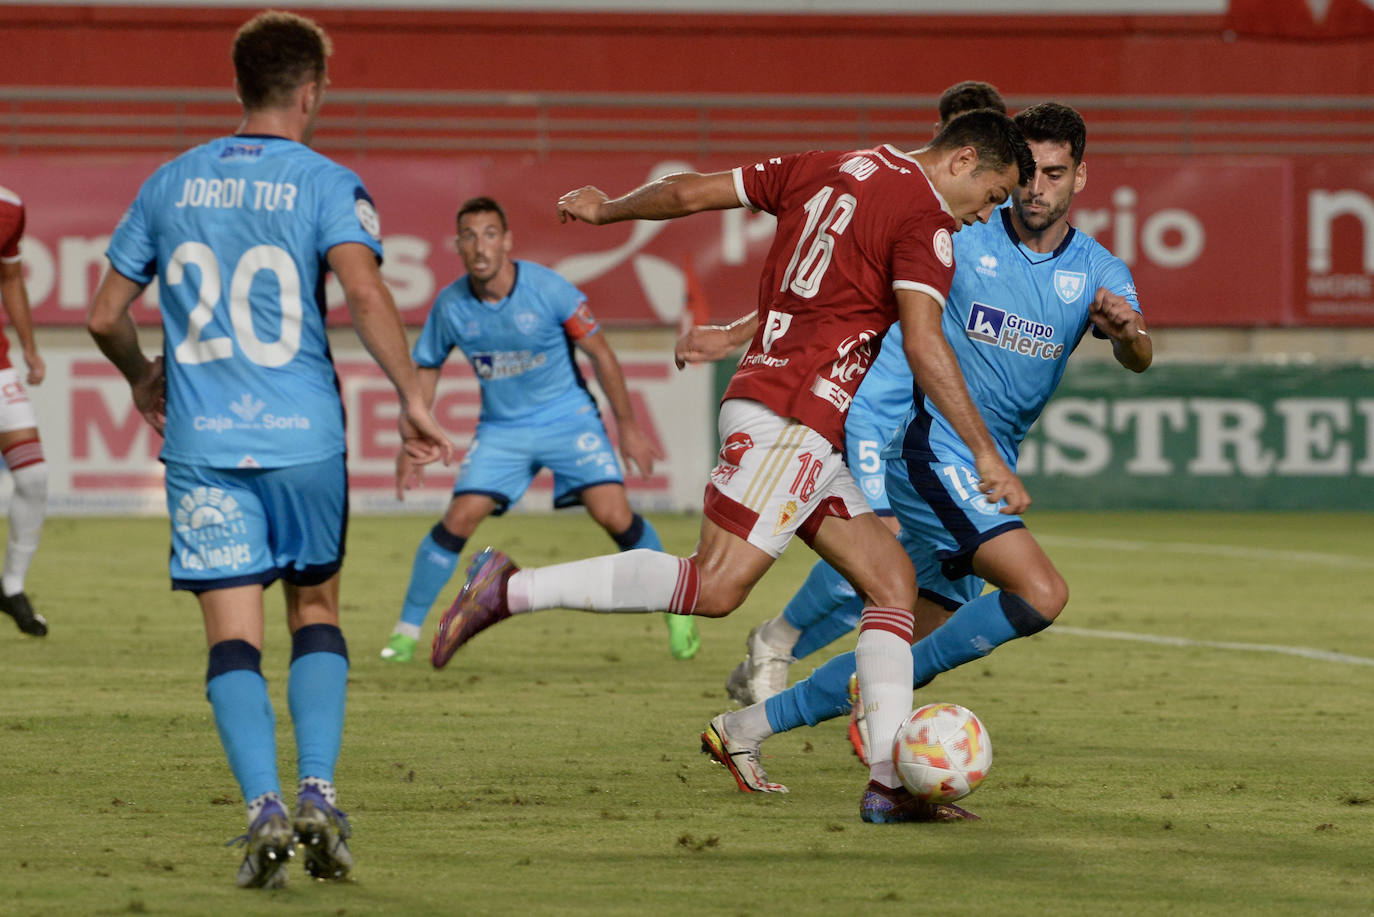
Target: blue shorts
[
  {"x": 864, "y": 439},
  {"x": 505, "y": 457},
  {"x": 944, "y": 519},
  {"x": 240, "y": 526}
]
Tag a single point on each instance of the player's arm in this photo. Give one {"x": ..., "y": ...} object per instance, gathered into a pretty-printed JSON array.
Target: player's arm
[
  {"x": 1113, "y": 316},
  {"x": 665, "y": 198},
  {"x": 707, "y": 343},
  {"x": 379, "y": 326},
  {"x": 116, "y": 334},
  {"x": 635, "y": 445},
  {"x": 16, "y": 302},
  {"x": 410, "y": 473},
  {"x": 937, "y": 374}
]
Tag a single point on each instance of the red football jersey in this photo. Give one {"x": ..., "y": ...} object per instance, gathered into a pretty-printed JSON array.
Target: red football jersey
[
  {"x": 11, "y": 230},
  {"x": 852, "y": 228}
]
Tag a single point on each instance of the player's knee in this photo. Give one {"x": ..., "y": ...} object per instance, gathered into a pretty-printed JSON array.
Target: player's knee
[
  {"x": 717, "y": 599},
  {"x": 1045, "y": 591},
  {"x": 31, "y": 481},
  {"x": 891, "y": 585}
]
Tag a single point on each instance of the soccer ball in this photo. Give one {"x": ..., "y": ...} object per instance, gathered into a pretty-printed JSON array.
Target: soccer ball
[{"x": 942, "y": 752}]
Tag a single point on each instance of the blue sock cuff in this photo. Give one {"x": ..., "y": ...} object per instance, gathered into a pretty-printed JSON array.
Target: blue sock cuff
[
  {"x": 233, "y": 655},
  {"x": 1023, "y": 618},
  {"x": 630, "y": 537},
  {"x": 318, "y": 638},
  {"x": 446, "y": 539}
]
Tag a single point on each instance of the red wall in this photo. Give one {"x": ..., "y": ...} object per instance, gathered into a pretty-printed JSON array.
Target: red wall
[{"x": 1035, "y": 56}]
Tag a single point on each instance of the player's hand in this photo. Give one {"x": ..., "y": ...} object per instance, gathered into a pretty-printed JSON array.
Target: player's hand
[
  {"x": 421, "y": 437},
  {"x": 583, "y": 204},
  {"x": 1001, "y": 485},
  {"x": 38, "y": 370},
  {"x": 1113, "y": 316},
  {"x": 703, "y": 344},
  {"x": 409, "y": 474},
  {"x": 637, "y": 449},
  {"x": 150, "y": 395}
]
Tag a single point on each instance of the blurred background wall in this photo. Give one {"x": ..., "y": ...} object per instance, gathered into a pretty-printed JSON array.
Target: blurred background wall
[{"x": 1231, "y": 165}]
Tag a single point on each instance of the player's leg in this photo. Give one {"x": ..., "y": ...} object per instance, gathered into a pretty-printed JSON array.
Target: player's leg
[
  {"x": 495, "y": 472},
  {"x": 221, "y": 553},
  {"x": 831, "y": 610},
  {"x": 608, "y": 505},
  {"x": 826, "y": 606},
  {"x": 752, "y": 510},
  {"x": 237, "y": 691},
  {"x": 586, "y": 470},
  {"x": 1032, "y": 595},
  {"x": 308, "y": 505},
  {"x": 317, "y": 692},
  {"x": 22, "y": 451},
  {"x": 433, "y": 566},
  {"x": 872, "y": 559},
  {"x": 823, "y": 610}
]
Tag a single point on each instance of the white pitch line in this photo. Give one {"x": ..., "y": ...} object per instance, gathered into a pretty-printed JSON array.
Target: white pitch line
[
  {"x": 1237, "y": 552},
  {"x": 1305, "y": 652}
]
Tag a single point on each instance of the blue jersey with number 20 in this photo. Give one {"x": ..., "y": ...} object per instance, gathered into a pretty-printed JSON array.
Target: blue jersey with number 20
[{"x": 235, "y": 232}]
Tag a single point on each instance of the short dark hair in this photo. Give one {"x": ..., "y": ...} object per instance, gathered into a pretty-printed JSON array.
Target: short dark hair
[
  {"x": 967, "y": 96},
  {"x": 1054, "y": 122},
  {"x": 274, "y": 54},
  {"x": 481, "y": 205},
  {"x": 996, "y": 137}
]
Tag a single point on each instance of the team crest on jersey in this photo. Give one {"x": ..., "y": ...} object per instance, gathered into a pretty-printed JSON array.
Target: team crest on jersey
[
  {"x": 368, "y": 218},
  {"x": 526, "y": 322},
  {"x": 786, "y": 512},
  {"x": 944, "y": 247},
  {"x": 1068, "y": 285},
  {"x": 873, "y": 486}
]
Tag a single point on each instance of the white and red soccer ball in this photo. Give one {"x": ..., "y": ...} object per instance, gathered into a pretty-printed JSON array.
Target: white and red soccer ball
[{"x": 942, "y": 752}]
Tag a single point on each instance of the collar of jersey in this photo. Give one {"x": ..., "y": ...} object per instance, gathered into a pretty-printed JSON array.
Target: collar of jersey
[{"x": 1025, "y": 252}]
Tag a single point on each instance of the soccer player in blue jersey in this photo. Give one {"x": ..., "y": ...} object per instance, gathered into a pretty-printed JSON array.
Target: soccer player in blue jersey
[
  {"x": 1027, "y": 288},
  {"x": 517, "y": 323},
  {"x": 239, "y": 234},
  {"x": 807, "y": 623}
]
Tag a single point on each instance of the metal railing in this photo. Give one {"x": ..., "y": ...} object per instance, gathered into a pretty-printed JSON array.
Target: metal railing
[{"x": 73, "y": 118}]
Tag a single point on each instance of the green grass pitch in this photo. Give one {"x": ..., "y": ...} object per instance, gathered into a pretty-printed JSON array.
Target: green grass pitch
[{"x": 553, "y": 767}]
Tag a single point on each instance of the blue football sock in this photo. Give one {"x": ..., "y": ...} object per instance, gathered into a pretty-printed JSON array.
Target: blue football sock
[
  {"x": 433, "y": 568},
  {"x": 640, "y": 534},
  {"x": 824, "y": 609},
  {"x": 975, "y": 630},
  {"x": 820, "y": 696},
  {"x": 972, "y": 631},
  {"x": 316, "y": 692},
  {"x": 243, "y": 715}
]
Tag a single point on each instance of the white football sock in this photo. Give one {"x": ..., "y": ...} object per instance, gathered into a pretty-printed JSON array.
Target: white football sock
[
  {"x": 750, "y": 725},
  {"x": 780, "y": 634},
  {"x": 883, "y": 660},
  {"x": 28, "y": 507},
  {"x": 631, "y": 581}
]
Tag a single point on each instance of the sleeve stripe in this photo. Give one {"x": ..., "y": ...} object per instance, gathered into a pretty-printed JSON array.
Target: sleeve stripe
[
  {"x": 920, "y": 288},
  {"x": 738, "y": 174}
]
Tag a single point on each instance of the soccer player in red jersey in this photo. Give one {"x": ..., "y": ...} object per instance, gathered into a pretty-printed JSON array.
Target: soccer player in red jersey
[
  {"x": 863, "y": 240},
  {"x": 19, "y": 442}
]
